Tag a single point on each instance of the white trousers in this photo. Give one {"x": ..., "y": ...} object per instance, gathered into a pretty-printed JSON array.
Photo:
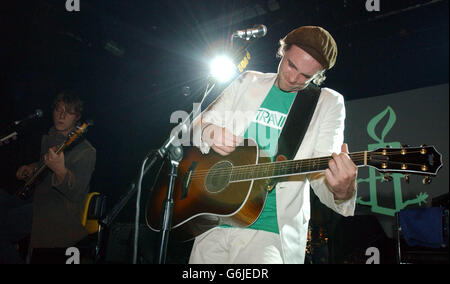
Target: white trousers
[{"x": 236, "y": 246}]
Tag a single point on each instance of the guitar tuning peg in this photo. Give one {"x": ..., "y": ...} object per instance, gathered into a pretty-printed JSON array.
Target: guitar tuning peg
[
  {"x": 407, "y": 178},
  {"x": 387, "y": 177},
  {"x": 426, "y": 180}
]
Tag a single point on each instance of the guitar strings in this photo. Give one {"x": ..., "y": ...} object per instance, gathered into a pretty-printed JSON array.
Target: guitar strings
[
  {"x": 269, "y": 167},
  {"x": 354, "y": 156},
  {"x": 273, "y": 167},
  {"x": 290, "y": 164},
  {"x": 262, "y": 173}
]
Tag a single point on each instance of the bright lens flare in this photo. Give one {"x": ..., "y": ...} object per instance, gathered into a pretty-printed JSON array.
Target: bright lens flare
[{"x": 222, "y": 68}]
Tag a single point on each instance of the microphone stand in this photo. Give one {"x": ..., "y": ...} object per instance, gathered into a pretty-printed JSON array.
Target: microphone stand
[
  {"x": 174, "y": 155},
  {"x": 6, "y": 138}
]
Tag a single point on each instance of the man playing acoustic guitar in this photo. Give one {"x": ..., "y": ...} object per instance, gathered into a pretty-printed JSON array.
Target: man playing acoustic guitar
[
  {"x": 259, "y": 105},
  {"x": 54, "y": 215}
]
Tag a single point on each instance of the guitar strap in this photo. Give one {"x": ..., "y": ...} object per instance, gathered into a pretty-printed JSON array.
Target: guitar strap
[{"x": 297, "y": 121}]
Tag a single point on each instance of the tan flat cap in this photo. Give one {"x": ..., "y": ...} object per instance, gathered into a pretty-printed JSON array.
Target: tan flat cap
[{"x": 317, "y": 42}]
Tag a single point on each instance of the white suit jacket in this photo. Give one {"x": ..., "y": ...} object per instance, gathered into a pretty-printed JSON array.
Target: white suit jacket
[{"x": 236, "y": 107}]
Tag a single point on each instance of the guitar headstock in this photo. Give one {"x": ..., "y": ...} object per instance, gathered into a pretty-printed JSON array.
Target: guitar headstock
[
  {"x": 423, "y": 160},
  {"x": 78, "y": 132},
  {"x": 6, "y": 139}
]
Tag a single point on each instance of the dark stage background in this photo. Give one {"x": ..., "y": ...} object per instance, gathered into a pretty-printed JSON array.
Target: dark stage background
[{"x": 131, "y": 61}]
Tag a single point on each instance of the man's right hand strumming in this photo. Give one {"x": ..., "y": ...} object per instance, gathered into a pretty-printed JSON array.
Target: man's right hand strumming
[{"x": 221, "y": 140}]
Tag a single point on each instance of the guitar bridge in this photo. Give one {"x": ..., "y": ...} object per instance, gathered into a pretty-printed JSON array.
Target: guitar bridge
[{"x": 187, "y": 179}]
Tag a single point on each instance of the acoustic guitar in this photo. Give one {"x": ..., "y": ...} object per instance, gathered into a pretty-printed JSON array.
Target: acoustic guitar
[
  {"x": 212, "y": 190},
  {"x": 26, "y": 190}
]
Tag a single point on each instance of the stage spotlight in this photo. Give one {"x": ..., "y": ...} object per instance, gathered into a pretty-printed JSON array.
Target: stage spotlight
[{"x": 222, "y": 69}]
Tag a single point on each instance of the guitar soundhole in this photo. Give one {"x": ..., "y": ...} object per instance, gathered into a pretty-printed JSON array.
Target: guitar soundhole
[{"x": 218, "y": 177}]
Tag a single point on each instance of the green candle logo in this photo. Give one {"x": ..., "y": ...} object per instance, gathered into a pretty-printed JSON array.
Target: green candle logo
[{"x": 375, "y": 177}]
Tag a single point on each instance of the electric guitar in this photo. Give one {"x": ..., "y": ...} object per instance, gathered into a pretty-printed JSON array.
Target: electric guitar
[
  {"x": 212, "y": 190},
  {"x": 26, "y": 190}
]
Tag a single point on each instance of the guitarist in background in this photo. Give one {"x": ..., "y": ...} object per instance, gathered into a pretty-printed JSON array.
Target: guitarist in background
[
  {"x": 54, "y": 216},
  {"x": 256, "y": 104}
]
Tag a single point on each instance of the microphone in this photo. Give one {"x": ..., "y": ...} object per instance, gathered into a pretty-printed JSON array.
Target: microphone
[
  {"x": 37, "y": 114},
  {"x": 256, "y": 31}
]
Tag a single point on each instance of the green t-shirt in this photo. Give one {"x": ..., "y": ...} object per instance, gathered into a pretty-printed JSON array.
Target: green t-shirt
[{"x": 265, "y": 130}]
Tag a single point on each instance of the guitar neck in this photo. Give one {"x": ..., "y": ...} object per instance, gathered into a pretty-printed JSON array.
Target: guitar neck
[
  {"x": 289, "y": 168},
  {"x": 43, "y": 166},
  {"x": 36, "y": 174}
]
